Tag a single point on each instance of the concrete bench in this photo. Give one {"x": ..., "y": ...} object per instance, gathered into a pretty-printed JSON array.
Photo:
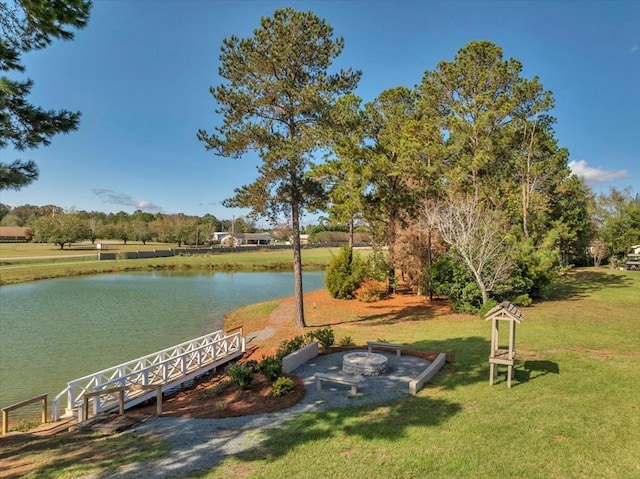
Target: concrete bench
[
  {"x": 334, "y": 378},
  {"x": 299, "y": 357},
  {"x": 378, "y": 345},
  {"x": 427, "y": 374}
]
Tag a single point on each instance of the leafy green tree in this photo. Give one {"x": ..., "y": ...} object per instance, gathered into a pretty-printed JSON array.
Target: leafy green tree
[
  {"x": 28, "y": 25},
  {"x": 345, "y": 274},
  {"x": 61, "y": 229},
  {"x": 618, "y": 217},
  {"x": 389, "y": 198},
  {"x": 454, "y": 280},
  {"x": 570, "y": 210},
  {"x": 473, "y": 99},
  {"x": 276, "y": 101},
  {"x": 537, "y": 172},
  {"x": 4, "y": 210},
  {"x": 344, "y": 175},
  {"x": 497, "y": 145}
]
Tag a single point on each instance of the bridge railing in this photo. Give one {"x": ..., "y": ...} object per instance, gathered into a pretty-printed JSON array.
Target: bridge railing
[{"x": 170, "y": 366}]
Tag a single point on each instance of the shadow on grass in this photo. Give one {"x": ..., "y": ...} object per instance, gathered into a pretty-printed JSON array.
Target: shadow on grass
[
  {"x": 579, "y": 283},
  {"x": 56, "y": 456},
  {"x": 387, "y": 422},
  {"x": 534, "y": 369},
  {"x": 421, "y": 312},
  {"x": 470, "y": 360}
]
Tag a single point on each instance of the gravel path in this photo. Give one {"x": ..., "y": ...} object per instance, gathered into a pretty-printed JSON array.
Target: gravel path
[{"x": 200, "y": 444}]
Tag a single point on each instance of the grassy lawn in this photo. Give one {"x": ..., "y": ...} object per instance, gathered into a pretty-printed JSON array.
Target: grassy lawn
[
  {"x": 21, "y": 262},
  {"x": 572, "y": 411}
]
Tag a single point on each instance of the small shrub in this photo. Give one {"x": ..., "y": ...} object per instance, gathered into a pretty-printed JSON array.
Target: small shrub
[
  {"x": 346, "y": 341},
  {"x": 282, "y": 386},
  {"x": 252, "y": 364},
  {"x": 487, "y": 307},
  {"x": 324, "y": 336},
  {"x": 371, "y": 290},
  {"x": 344, "y": 274},
  {"x": 241, "y": 375},
  {"x": 291, "y": 345},
  {"x": 24, "y": 425},
  {"x": 219, "y": 406},
  {"x": 522, "y": 300},
  {"x": 216, "y": 390},
  {"x": 271, "y": 367}
]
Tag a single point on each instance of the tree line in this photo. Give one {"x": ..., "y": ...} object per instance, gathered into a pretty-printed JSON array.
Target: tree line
[{"x": 52, "y": 224}]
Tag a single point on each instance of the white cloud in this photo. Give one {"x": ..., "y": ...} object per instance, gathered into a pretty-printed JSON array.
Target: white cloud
[
  {"x": 594, "y": 176},
  {"x": 123, "y": 199},
  {"x": 635, "y": 48}
]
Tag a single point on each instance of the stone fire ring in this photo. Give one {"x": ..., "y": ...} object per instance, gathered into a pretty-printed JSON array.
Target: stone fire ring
[{"x": 365, "y": 364}]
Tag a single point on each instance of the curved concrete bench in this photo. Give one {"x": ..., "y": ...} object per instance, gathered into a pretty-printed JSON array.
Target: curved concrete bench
[{"x": 427, "y": 374}]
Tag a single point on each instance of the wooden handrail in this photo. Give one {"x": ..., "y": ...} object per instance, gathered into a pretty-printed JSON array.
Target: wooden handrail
[
  {"x": 5, "y": 410},
  {"x": 121, "y": 390},
  {"x": 234, "y": 331}
]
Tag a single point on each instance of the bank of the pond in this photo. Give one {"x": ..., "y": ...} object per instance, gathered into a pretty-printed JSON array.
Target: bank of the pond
[{"x": 12, "y": 272}]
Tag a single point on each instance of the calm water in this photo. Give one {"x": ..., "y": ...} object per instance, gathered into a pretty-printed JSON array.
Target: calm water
[{"x": 57, "y": 330}]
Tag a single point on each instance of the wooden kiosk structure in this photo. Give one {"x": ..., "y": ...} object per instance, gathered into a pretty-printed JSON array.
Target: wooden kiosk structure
[{"x": 504, "y": 312}]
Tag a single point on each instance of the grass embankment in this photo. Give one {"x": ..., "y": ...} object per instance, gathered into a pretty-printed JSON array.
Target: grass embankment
[{"x": 22, "y": 262}]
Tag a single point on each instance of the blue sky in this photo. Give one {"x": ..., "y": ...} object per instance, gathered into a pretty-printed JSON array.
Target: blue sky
[{"x": 140, "y": 74}]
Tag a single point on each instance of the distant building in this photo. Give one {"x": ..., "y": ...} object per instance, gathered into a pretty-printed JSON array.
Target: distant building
[
  {"x": 242, "y": 239},
  {"x": 15, "y": 233}
]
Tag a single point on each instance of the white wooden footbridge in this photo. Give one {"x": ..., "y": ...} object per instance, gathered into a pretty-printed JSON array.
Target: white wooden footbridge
[{"x": 168, "y": 369}]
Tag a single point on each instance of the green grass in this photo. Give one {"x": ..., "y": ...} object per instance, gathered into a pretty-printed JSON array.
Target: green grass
[
  {"x": 572, "y": 411},
  {"x": 22, "y": 262},
  {"x": 77, "y": 455}
]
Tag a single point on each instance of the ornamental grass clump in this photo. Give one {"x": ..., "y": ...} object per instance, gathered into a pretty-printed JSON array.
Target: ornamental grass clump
[
  {"x": 371, "y": 290},
  {"x": 282, "y": 386},
  {"x": 324, "y": 336},
  {"x": 241, "y": 375},
  {"x": 271, "y": 367}
]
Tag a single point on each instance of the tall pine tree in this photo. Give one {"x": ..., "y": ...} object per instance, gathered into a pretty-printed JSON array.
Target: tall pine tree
[
  {"x": 28, "y": 25},
  {"x": 276, "y": 100}
]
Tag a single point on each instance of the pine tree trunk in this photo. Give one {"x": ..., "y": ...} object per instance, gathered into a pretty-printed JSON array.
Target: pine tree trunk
[
  {"x": 297, "y": 266},
  {"x": 351, "y": 233}
]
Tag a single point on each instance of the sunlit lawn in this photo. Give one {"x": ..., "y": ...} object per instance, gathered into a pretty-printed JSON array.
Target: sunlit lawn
[
  {"x": 572, "y": 412},
  {"x": 36, "y": 260}
]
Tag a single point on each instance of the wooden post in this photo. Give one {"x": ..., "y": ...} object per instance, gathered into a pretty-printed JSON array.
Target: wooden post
[
  {"x": 43, "y": 416},
  {"x": 159, "y": 400},
  {"x": 5, "y": 421},
  {"x": 121, "y": 402}
]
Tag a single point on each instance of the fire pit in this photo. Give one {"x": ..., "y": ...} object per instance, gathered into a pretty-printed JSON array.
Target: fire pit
[{"x": 366, "y": 364}]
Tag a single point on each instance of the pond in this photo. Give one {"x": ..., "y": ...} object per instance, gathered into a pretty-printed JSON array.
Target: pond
[{"x": 57, "y": 330}]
